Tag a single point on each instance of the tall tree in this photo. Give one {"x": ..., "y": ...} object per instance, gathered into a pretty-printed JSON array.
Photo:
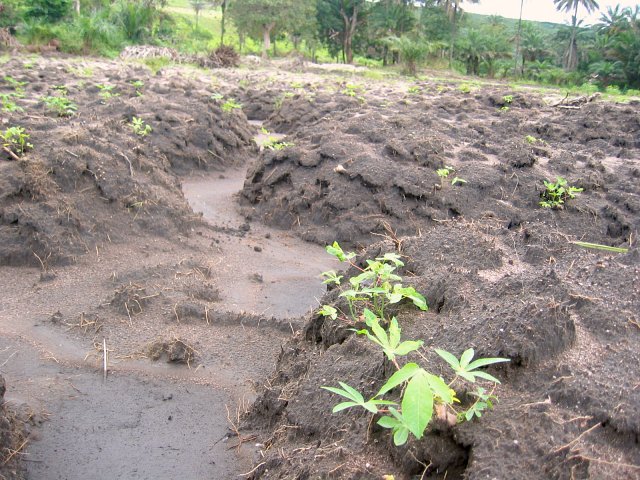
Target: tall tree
[
  {"x": 224, "y": 5},
  {"x": 518, "y": 40},
  {"x": 571, "y": 56},
  {"x": 263, "y": 18},
  {"x": 453, "y": 11},
  {"x": 198, "y": 6},
  {"x": 390, "y": 18},
  {"x": 534, "y": 44},
  {"x": 340, "y": 19}
]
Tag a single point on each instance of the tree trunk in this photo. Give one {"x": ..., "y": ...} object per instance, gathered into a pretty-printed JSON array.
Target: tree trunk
[
  {"x": 571, "y": 60},
  {"x": 222, "y": 21},
  {"x": 515, "y": 62},
  {"x": 266, "y": 39},
  {"x": 454, "y": 27},
  {"x": 349, "y": 31},
  {"x": 76, "y": 6}
]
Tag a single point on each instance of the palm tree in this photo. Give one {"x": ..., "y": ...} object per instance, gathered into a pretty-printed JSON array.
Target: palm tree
[
  {"x": 198, "y": 6},
  {"x": 518, "y": 39},
  {"x": 571, "y": 57},
  {"x": 452, "y": 8},
  {"x": 614, "y": 20}
]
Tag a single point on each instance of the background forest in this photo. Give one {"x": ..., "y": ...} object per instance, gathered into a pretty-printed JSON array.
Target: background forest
[{"x": 410, "y": 33}]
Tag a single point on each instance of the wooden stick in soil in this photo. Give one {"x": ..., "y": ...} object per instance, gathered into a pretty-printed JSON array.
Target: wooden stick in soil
[
  {"x": 13, "y": 155},
  {"x": 14, "y": 452},
  {"x": 104, "y": 359}
]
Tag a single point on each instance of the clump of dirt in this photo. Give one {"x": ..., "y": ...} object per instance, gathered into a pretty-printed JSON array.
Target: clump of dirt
[
  {"x": 482, "y": 295},
  {"x": 90, "y": 179},
  {"x": 175, "y": 351},
  {"x": 130, "y": 299},
  {"x": 224, "y": 56},
  {"x": 12, "y": 439},
  {"x": 453, "y": 182},
  {"x": 352, "y": 172}
]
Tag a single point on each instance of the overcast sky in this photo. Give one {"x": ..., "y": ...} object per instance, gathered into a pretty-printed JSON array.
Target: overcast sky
[{"x": 541, "y": 10}]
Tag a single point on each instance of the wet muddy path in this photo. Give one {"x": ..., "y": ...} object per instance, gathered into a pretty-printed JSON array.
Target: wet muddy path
[
  {"x": 265, "y": 271},
  {"x": 152, "y": 420}
]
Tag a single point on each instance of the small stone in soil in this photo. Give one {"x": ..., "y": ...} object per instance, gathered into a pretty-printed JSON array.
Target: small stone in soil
[
  {"x": 256, "y": 277},
  {"x": 257, "y": 249}
]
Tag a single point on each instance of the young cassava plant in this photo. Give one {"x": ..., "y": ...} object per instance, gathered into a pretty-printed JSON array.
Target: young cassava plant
[{"x": 419, "y": 394}]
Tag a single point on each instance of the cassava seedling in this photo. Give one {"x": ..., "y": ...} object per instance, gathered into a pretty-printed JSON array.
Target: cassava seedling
[
  {"x": 556, "y": 194},
  {"x": 376, "y": 286},
  {"x": 230, "y": 105},
  {"x": 445, "y": 171},
  {"x": 421, "y": 393},
  {"x": 106, "y": 92},
  {"x": 139, "y": 127},
  {"x": 15, "y": 141},
  {"x": 274, "y": 144},
  {"x": 138, "y": 85},
  {"x": 8, "y": 105},
  {"x": 61, "y": 106}
]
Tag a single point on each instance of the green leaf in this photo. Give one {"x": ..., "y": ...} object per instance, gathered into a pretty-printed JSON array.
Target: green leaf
[
  {"x": 331, "y": 277},
  {"x": 369, "y": 317},
  {"x": 408, "y": 346},
  {"x": 486, "y": 376},
  {"x": 417, "y": 404},
  {"x": 466, "y": 375},
  {"x": 388, "y": 422},
  {"x": 394, "y": 297},
  {"x": 483, "y": 362},
  {"x": 397, "y": 423},
  {"x": 601, "y": 247},
  {"x": 440, "y": 388},
  {"x": 355, "y": 395},
  {"x": 369, "y": 407},
  {"x": 449, "y": 358},
  {"x": 393, "y": 258},
  {"x": 419, "y": 301},
  {"x": 328, "y": 311},
  {"x": 401, "y": 436},
  {"x": 358, "y": 279},
  {"x": 336, "y": 251},
  {"x": 379, "y": 332},
  {"x": 399, "y": 377},
  {"x": 466, "y": 357},
  {"x": 394, "y": 335},
  {"x": 373, "y": 291},
  {"x": 344, "y": 406}
]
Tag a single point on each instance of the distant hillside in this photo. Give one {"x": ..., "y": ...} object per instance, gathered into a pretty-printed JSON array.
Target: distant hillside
[{"x": 475, "y": 19}]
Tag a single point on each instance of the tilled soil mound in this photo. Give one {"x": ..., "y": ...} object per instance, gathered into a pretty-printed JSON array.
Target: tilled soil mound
[
  {"x": 90, "y": 179},
  {"x": 11, "y": 440},
  {"x": 354, "y": 171},
  {"x": 499, "y": 273}
]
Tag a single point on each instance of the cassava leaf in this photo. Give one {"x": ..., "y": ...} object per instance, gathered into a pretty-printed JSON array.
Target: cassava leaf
[
  {"x": 466, "y": 357},
  {"x": 343, "y": 406},
  {"x": 440, "y": 388},
  {"x": 417, "y": 404},
  {"x": 408, "y": 346},
  {"x": 394, "y": 335},
  {"x": 449, "y": 358},
  {"x": 483, "y": 362},
  {"x": 399, "y": 377}
]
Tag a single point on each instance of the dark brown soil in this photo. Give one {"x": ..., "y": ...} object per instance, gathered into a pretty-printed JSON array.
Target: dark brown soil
[
  {"x": 90, "y": 179},
  {"x": 99, "y": 245},
  {"x": 498, "y": 271},
  {"x": 12, "y": 436}
]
